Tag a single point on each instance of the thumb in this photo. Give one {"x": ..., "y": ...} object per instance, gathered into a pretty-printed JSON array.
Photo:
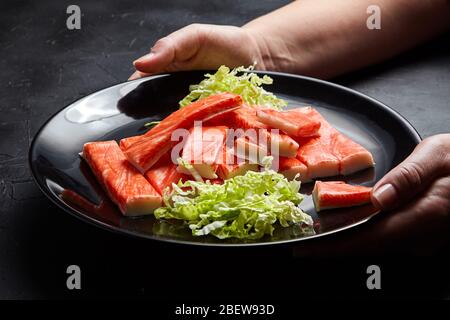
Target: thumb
[
  {"x": 179, "y": 46},
  {"x": 429, "y": 160}
]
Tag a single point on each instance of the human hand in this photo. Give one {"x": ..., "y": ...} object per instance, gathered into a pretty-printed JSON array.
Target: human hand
[
  {"x": 415, "y": 201},
  {"x": 201, "y": 47},
  {"x": 424, "y": 172}
]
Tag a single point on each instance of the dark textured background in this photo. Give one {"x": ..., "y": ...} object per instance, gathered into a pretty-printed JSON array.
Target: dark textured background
[{"x": 44, "y": 67}]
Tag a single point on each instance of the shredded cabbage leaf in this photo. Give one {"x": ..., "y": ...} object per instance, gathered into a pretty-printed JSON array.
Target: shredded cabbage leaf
[
  {"x": 190, "y": 168},
  {"x": 151, "y": 124},
  {"x": 244, "y": 207},
  {"x": 240, "y": 81}
]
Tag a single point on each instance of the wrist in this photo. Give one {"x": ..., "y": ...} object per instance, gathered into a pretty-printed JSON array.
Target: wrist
[{"x": 271, "y": 52}]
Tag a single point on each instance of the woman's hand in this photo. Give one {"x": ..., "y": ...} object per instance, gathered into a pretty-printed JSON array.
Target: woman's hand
[
  {"x": 421, "y": 173},
  {"x": 309, "y": 37},
  {"x": 415, "y": 201},
  {"x": 201, "y": 47}
]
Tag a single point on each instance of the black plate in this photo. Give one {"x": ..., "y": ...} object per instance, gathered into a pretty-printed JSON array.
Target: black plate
[{"x": 122, "y": 110}]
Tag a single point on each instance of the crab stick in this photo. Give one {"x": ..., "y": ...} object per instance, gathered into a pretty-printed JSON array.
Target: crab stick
[
  {"x": 293, "y": 122},
  {"x": 338, "y": 194},
  {"x": 203, "y": 150},
  {"x": 146, "y": 151},
  {"x": 232, "y": 166},
  {"x": 164, "y": 173},
  {"x": 291, "y": 167},
  {"x": 126, "y": 187}
]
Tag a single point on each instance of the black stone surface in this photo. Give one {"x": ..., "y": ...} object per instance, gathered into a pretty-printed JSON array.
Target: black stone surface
[{"x": 44, "y": 66}]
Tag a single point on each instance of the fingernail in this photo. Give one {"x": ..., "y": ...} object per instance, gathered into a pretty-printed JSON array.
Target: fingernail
[
  {"x": 143, "y": 58},
  {"x": 385, "y": 196},
  {"x": 134, "y": 76}
]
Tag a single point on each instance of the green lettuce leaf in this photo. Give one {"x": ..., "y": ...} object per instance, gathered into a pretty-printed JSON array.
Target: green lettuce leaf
[
  {"x": 244, "y": 207},
  {"x": 238, "y": 81},
  {"x": 151, "y": 124}
]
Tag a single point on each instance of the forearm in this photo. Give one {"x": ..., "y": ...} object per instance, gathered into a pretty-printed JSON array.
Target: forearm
[{"x": 325, "y": 38}]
